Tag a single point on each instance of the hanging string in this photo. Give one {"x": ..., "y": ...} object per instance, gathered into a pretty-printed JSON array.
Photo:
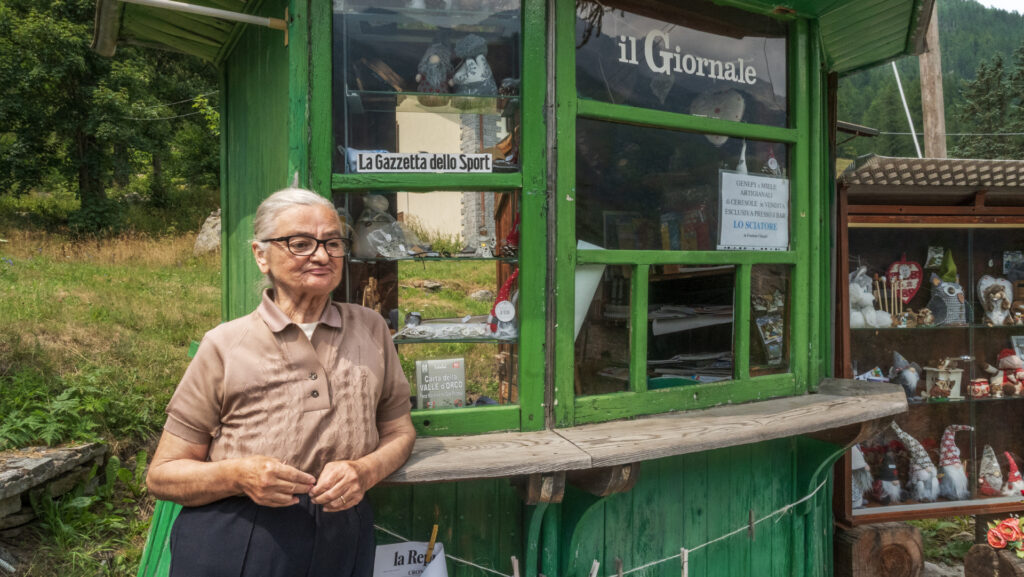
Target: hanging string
[{"x": 683, "y": 554}]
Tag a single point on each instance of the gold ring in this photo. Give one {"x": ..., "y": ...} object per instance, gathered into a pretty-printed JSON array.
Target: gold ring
[{"x": 343, "y": 500}]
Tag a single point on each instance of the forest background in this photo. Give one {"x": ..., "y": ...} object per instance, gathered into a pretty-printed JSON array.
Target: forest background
[{"x": 108, "y": 167}]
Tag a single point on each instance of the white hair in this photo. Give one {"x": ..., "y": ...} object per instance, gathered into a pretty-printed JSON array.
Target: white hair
[{"x": 265, "y": 223}]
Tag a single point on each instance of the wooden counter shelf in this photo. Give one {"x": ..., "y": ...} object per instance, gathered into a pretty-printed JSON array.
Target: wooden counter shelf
[
  {"x": 839, "y": 404},
  {"x": 912, "y": 511}
]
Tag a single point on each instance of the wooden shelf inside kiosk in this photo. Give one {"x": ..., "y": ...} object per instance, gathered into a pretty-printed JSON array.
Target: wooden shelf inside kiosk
[{"x": 838, "y": 403}]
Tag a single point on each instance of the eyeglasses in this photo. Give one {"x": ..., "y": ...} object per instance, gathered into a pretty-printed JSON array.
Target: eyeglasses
[{"x": 302, "y": 245}]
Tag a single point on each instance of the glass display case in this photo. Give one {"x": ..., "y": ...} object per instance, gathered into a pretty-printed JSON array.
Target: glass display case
[{"x": 933, "y": 300}]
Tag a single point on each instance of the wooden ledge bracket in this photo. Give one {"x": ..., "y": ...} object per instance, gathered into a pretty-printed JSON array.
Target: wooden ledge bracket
[
  {"x": 541, "y": 487},
  {"x": 605, "y": 481}
]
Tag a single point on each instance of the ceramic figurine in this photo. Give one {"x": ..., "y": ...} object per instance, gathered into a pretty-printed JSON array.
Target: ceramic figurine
[
  {"x": 953, "y": 482},
  {"x": 923, "y": 483},
  {"x": 1009, "y": 376},
  {"x": 994, "y": 294},
  {"x": 979, "y": 388}
]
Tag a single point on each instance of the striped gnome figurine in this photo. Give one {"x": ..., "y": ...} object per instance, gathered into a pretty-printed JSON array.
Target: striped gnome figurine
[
  {"x": 1014, "y": 484},
  {"x": 990, "y": 478},
  {"x": 886, "y": 488},
  {"x": 923, "y": 483},
  {"x": 952, "y": 478}
]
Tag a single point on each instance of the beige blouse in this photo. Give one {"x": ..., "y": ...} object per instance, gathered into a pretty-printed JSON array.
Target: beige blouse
[{"x": 258, "y": 386}]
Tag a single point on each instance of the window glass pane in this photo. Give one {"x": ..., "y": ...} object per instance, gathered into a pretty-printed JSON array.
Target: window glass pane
[
  {"x": 696, "y": 59},
  {"x": 654, "y": 189},
  {"x": 453, "y": 375},
  {"x": 769, "y": 319},
  {"x": 602, "y": 341},
  {"x": 452, "y": 304},
  {"x": 431, "y": 76},
  {"x": 690, "y": 325}
]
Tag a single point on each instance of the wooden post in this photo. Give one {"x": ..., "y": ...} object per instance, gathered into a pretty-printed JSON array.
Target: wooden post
[
  {"x": 932, "y": 102},
  {"x": 879, "y": 550}
]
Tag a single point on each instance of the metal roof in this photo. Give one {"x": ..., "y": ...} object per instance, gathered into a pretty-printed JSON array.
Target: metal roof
[{"x": 855, "y": 34}]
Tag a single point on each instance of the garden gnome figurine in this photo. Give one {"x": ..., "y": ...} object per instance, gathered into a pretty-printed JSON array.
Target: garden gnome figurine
[
  {"x": 860, "y": 476},
  {"x": 923, "y": 483},
  {"x": 953, "y": 481},
  {"x": 906, "y": 374},
  {"x": 1014, "y": 484},
  {"x": 887, "y": 486},
  {"x": 990, "y": 478},
  {"x": 433, "y": 73},
  {"x": 473, "y": 77}
]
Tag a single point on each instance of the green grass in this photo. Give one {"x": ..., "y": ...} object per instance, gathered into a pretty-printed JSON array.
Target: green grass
[
  {"x": 946, "y": 540},
  {"x": 93, "y": 342}
]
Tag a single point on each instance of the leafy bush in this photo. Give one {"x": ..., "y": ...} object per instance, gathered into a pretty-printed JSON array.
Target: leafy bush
[{"x": 946, "y": 539}]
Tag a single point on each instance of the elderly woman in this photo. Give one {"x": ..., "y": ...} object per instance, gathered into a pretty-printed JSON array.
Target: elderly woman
[{"x": 285, "y": 417}]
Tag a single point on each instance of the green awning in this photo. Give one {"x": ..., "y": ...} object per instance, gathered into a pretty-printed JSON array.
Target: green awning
[{"x": 855, "y": 34}]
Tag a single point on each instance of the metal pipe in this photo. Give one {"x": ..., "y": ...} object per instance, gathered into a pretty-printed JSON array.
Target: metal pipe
[{"x": 275, "y": 23}]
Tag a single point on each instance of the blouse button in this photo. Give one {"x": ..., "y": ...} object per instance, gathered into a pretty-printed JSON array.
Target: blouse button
[{"x": 315, "y": 394}]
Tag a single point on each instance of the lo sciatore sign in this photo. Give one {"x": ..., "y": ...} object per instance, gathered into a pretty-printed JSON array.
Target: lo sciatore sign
[
  {"x": 754, "y": 212},
  {"x": 423, "y": 162},
  {"x": 409, "y": 560}
]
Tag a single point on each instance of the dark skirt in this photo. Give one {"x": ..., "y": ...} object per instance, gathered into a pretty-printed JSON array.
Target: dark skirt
[{"x": 238, "y": 538}]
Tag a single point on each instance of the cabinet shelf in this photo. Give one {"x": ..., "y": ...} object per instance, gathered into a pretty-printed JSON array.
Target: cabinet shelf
[
  {"x": 937, "y": 328},
  {"x": 429, "y": 103},
  {"x": 418, "y": 341}
]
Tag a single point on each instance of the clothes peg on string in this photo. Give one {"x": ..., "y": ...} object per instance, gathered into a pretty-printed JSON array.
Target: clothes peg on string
[
  {"x": 594, "y": 568},
  {"x": 684, "y": 560},
  {"x": 430, "y": 546},
  {"x": 618, "y": 567},
  {"x": 515, "y": 566}
]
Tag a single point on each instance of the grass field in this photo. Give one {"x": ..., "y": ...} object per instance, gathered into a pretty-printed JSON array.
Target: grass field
[{"x": 93, "y": 341}]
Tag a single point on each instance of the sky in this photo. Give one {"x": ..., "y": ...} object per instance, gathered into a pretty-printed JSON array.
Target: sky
[{"x": 1009, "y": 5}]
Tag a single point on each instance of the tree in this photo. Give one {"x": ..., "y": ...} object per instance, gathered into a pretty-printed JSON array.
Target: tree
[
  {"x": 991, "y": 105},
  {"x": 67, "y": 112}
]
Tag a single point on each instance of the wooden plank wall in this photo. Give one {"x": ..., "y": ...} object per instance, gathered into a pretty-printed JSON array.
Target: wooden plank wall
[{"x": 254, "y": 106}]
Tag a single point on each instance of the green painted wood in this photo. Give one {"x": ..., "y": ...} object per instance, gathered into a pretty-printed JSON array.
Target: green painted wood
[
  {"x": 817, "y": 225},
  {"x": 392, "y": 510},
  {"x": 320, "y": 103},
  {"x": 534, "y": 543},
  {"x": 226, "y": 255},
  {"x": 436, "y": 503},
  {"x": 741, "y": 323},
  {"x": 694, "y": 257},
  {"x": 466, "y": 421},
  {"x": 674, "y": 121},
  {"x": 511, "y": 517},
  {"x": 157, "y": 552},
  {"x": 427, "y": 182},
  {"x": 705, "y": 497},
  {"x": 597, "y": 408},
  {"x": 256, "y": 160},
  {"x": 477, "y": 500},
  {"x": 299, "y": 92},
  {"x": 551, "y": 531},
  {"x": 565, "y": 211},
  {"x": 799, "y": 193},
  {"x": 638, "y": 329},
  {"x": 533, "y": 224},
  {"x": 695, "y": 509}
]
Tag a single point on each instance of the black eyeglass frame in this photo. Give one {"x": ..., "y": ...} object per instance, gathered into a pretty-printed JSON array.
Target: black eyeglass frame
[{"x": 287, "y": 243}]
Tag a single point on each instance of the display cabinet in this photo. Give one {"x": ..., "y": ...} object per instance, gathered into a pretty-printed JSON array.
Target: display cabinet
[
  {"x": 932, "y": 298},
  {"x": 428, "y": 92}
]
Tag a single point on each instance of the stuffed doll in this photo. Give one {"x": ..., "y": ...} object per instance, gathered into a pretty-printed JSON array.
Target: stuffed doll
[
  {"x": 860, "y": 476},
  {"x": 994, "y": 294},
  {"x": 1014, "y": 486},
  {"x": 923, "y": 483},
  {"x": 953, "y": 479},
  {"x": 947, "y": 303},
  {"x": 862, "y": 303},
  {"x": 473, "y": 77},
  {"x": 906, "y": 374},
  {"x": 433, "y": 73},
  {"x": 1009, "y": 377},
  {"x": 990, "y": 478},
  {"x": 887, "y": 489}
]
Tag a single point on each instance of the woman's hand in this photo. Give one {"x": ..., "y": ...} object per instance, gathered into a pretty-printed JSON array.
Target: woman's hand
[
  {"x": 271, "y": 483},
  {"x": 340, "y": 486}
]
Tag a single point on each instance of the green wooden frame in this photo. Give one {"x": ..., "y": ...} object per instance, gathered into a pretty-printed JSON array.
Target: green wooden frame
[
  {"x": 311, "y": 110},
  {"x": 531, "y": 182},
  {"x": 808, "y": 230}
]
